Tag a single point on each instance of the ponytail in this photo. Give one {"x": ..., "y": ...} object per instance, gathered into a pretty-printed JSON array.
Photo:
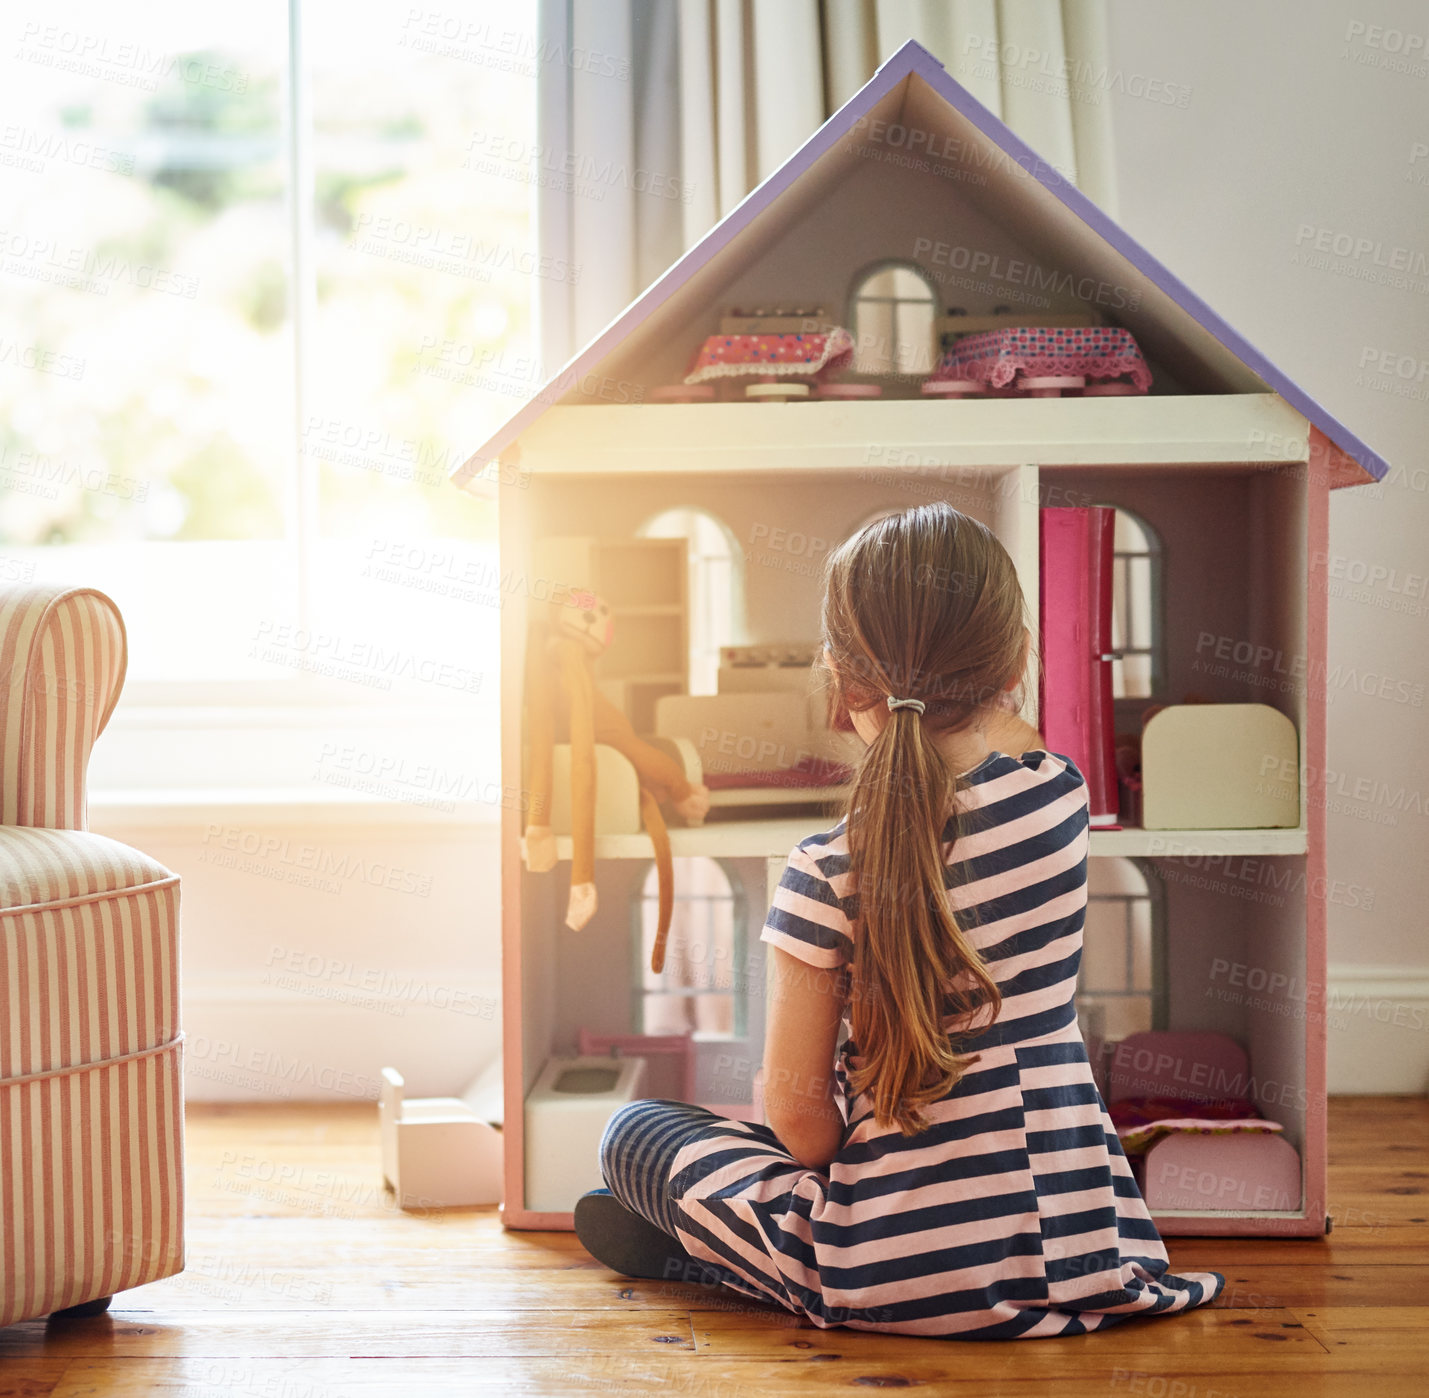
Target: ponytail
[
  {"x": 909, "y": 949},
  {"x": 923, "y": 604}
]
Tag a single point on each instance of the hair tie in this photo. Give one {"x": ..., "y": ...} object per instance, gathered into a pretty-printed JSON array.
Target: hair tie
[{"x": 906, "y": 704}]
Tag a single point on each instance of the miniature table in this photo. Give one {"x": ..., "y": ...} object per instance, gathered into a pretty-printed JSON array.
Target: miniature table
[{"x": 995, "y": 358}]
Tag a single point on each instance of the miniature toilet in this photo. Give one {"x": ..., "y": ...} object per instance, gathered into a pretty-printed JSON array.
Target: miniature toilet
[{"x": 566, "y": 1113}]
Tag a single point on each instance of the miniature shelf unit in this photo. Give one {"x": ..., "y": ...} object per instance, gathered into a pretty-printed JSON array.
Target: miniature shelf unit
[
  {"x": 1225, "y": 460},
  {"x": 1240, "y": 540},
  {"x": 644, "y": 582}
]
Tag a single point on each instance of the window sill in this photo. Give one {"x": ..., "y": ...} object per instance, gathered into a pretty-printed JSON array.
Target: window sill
[
  {"x": 427, "y": 762},
  {"x": 282, "y": 806},
  {"x": 268, "y": 710}
]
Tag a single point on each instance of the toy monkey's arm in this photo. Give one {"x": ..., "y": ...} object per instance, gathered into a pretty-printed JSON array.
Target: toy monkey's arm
[{"x": 659, "y": 773}]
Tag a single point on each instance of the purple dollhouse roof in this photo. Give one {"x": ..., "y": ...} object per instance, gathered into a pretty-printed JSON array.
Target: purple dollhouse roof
[{"x": 1020, "y": 162}]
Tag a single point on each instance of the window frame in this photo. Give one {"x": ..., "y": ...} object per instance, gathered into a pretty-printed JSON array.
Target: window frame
[
  {"x": 860, "y": 279},
  {"x": 1159, "y": 995},
  {"x": 698, "y": 569},
  {"x": 1156, "y": 607},
  {"x": 248, "y": 701},
  {"x": 739, "y": 951}
]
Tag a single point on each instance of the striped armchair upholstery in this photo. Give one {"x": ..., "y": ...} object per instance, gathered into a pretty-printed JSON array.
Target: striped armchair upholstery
[{"x": 91, "y": 1103}]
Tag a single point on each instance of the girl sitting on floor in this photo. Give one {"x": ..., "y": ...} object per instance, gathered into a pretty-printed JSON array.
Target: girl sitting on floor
[{"x": 937, "y": 1159}]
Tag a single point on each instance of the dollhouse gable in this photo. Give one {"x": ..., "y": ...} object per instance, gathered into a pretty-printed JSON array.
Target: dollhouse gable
[{"x": 913, "y": 170}]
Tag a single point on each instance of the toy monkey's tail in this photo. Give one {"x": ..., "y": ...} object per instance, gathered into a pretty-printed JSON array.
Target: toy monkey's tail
[{"x": 654, "y": 823}]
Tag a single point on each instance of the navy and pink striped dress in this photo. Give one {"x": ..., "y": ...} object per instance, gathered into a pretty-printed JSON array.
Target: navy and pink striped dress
[{"x": 1014, "y": 1213}]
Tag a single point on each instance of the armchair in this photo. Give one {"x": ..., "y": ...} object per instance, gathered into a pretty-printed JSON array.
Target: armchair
[{"x": 91, "y": 1098}]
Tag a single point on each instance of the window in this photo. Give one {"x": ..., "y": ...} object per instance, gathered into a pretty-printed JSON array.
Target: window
[
  {"x": 145, "y": 259},
  {"x": 712, "y": 554},
  {"x": 892, "y": 320},
  {"x": 1121, "y": 986},
  {"x": 702, "y": 985},
  {"x": 272, "y": 266},
  {"x": 1136, "y": 628}
]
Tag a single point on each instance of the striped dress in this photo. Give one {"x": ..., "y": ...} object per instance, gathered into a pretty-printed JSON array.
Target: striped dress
[{"x": 1013, "y": 1213}]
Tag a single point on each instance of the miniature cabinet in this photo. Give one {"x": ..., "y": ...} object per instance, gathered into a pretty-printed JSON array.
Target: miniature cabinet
[{"x": 1224, "y": 459}]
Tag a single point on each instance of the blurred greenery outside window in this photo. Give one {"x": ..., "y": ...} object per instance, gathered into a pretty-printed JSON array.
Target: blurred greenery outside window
[{"x": 272, "y": 535}]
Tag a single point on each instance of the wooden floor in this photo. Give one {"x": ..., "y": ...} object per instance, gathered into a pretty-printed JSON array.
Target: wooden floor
[{"x": 303, "y": 1282}]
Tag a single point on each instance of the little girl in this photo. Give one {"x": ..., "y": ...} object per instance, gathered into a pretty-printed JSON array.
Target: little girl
[{"x": 948, "y": 1169}]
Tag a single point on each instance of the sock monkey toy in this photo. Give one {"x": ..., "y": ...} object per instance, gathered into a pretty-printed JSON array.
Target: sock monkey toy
[{"x": 561, "y": 648}]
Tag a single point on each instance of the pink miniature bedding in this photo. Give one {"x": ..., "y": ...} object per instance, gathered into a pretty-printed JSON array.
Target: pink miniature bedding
[
  {"x": 996, "y": 357},
  {"x": 762, "y": 356},
  {"x": 808, "y": 771},
  {"x": 1142, "y": 1121}
]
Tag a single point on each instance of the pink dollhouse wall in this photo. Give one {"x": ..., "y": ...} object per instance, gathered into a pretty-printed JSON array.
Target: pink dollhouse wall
[
  {"x": 1210, "y": 523},
  {"x": 1234, "y": 557}
]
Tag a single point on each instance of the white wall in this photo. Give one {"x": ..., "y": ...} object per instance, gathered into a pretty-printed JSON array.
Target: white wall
[
  {"x": 339, "y": 904},
  {"x": 1305, "y": 122},
  {"x": 317, "y": 951},
  {"x": 1290, "y": 122}
]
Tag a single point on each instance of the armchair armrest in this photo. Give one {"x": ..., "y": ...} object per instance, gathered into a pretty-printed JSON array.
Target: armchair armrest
[{"x": 62, "y": 659}]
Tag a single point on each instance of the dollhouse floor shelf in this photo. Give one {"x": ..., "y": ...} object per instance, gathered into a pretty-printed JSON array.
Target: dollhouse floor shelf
[
  {"x": 1174, "y": 844},
  {"x": 1143, "y": 431},
  {"x": 728, "y": 839},
  {"x": 1211, "y": 1223},
  {"x": 736, "y": 839}
]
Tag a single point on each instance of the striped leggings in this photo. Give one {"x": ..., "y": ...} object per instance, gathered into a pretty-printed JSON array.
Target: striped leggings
[
  {"x": 638, "y": 1150},
  {"x": 637, "y": 1158}
]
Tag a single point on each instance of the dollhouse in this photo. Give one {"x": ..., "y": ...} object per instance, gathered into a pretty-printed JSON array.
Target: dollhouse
[{"x": 915, "y": 307}]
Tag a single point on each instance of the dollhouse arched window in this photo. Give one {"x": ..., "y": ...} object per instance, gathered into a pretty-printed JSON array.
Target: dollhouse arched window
[
  {"x": 701, "y": 987},
  {"x": 881, "y": 513},
  {"x": 891, "y": 314},
  {"x": 1136, "y": 629},
  {"x": 1121, "y": 985},
  {"x": 710, "y": 595}
]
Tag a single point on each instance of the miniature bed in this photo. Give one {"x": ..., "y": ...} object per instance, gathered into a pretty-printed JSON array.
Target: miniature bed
[{"x": 1182, "y": 1105}]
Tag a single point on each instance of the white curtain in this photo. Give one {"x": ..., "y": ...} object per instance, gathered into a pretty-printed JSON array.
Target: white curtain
[{"x": 671, "y": 111}]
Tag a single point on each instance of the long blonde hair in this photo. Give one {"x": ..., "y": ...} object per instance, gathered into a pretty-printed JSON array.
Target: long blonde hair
[{"x": 921, "y": 605}]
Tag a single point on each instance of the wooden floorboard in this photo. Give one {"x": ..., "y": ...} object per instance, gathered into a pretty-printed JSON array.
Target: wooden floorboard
[{"x": 304, "y": 1282}]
